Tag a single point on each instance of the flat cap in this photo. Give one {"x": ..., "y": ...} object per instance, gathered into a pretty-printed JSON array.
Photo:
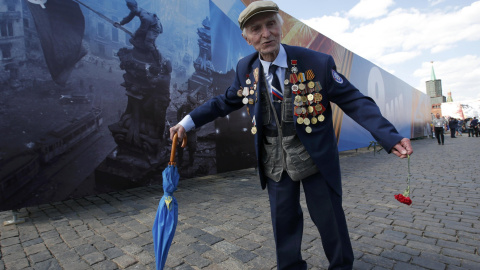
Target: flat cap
[{"x": 255, "y": 8}]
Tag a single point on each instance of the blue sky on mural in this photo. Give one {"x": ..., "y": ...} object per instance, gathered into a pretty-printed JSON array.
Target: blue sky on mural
[{"x": 402, "y": 37}]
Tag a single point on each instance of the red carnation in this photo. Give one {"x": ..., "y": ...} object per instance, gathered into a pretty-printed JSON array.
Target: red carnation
[{"x": 405, "y": 197}]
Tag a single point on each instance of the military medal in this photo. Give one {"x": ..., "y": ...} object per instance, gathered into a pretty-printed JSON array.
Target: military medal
[
  {"x": 254, "y": 128},
  {"x": 321, "y": 118},
  {"x": 308, "y": 129},
  {"x": 248, "y": 80},
  {"x": 301, "y": 79},
  {"x": 252, "y": 92},
  {"x": 299, "y": 120},
  {"x": 294, "y": 69},
  {"x": 314, "y": 120},
  {"x": 306, "y": 121},
  {"x": 240, "y": 93}
]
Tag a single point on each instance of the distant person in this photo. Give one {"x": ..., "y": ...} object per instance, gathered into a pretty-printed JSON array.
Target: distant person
[
  {"x": 452, "y": 124},
  {"x": 468, "y": 128},
  {"x": 460, "y": 127},
  {"x": 438, "y": 125},
  {"x": 474, "y": 125}
]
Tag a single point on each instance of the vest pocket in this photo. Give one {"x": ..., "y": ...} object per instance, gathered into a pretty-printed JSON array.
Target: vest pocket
[{"x": 287, "y": 110}]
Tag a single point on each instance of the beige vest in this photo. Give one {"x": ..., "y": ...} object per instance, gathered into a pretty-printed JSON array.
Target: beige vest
[{"x": 284, "y": 151}]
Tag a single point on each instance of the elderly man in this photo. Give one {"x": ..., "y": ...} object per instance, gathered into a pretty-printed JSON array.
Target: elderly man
[
  {"x": 438, "y": 125},
  {"x": 293, "y": 132}
]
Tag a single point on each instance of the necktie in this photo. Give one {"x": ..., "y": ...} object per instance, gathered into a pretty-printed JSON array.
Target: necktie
[{"x": 277, "y": 93}]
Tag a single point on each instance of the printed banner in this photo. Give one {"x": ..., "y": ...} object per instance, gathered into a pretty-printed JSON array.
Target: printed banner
[{"x": 90, "y": 89}]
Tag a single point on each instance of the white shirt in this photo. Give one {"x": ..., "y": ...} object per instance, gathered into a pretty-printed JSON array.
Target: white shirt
[{"x": 281, "y": 61}]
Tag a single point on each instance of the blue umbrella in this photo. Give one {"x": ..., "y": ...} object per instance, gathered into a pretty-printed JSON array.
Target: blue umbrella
[{"x": 167, "y": 213}]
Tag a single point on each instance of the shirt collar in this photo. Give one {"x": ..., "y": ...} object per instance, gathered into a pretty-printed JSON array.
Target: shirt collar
[{"x": 280, "y": 61}]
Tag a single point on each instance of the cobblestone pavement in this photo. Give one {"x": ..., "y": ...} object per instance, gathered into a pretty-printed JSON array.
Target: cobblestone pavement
[{"x": 224, "y": 220}]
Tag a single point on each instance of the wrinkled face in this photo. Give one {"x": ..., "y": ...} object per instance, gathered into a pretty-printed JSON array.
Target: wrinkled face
[{"x": 263, "y": 31}]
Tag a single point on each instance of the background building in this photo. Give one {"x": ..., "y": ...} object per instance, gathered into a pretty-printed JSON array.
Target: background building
[{"x": 434, "y": 91}]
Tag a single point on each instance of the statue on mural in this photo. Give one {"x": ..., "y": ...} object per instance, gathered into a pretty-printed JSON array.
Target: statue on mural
[{"x": 150, "y": 27}]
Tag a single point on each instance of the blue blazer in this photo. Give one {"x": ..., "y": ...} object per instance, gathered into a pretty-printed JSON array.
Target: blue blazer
[{"x": 321, "y": 143}]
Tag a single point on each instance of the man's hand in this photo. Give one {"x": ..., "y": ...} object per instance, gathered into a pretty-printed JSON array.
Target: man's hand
[
  {"x": 403, "y": 148},
  {"x": 178, "y": 129}
]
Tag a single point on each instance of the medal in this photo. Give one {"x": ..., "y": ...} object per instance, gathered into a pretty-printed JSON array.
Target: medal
[
  {"x": 295, "y": 89},
  {"x": 318, "y": 97},
  {"x": 294, "y": 69},
  {"x": 318, "y": 87},
  {"x": 299, "y": 120},
  {"x": 321, "y": 118},
  {"x": 254, "y": 128},
  {"x": 252, "y": 92},
  {"x": 250, "y": 101},
  {"x": 308, "y": 129},
  {"x": 310, "y": 75},
  {"x": 314, "y": 120},
  {"x": 239, "y": 93},
  {"x": 311, "y": 85},
  {"x": 245, "y": 100},
  {"x": 310, "y": 109},
  {"x": 286, "y": 82},
  {"x": 255, "y": 74},
  {"x": 245, "y": 92},
  {"x": 301, "y": 86},
  {"x": 306, "y": 121},
  {"x": 310, "y": 97}
]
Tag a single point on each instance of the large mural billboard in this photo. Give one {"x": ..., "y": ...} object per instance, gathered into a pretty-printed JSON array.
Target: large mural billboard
[{"x": 89, "y": 90}]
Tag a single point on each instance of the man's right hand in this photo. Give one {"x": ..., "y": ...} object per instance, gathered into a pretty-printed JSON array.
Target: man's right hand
[{"x": 178, "y": 129}]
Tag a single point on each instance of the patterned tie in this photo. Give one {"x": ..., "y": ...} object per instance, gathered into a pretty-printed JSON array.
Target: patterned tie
[{"x": 277, "y": 93}]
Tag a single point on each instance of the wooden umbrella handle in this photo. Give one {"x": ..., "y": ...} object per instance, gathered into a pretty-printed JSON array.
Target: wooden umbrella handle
[{"x": 174, "y": 148}]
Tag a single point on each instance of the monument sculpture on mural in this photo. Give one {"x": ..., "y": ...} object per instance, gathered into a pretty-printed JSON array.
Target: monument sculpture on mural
[{"x": 140, "y": 132}]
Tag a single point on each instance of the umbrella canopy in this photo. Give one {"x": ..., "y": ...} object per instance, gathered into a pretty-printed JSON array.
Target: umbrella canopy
[{"x": 167, "y": 213}]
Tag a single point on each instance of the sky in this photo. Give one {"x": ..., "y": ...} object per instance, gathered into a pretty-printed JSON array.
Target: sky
[{"x": 404, "y": 37}]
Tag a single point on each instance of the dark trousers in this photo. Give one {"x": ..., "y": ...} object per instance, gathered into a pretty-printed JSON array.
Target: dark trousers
[
  {"x": 438, "y": 134},
  {"x": 470, "y": 131},
  {"x": 325, "y": 208},
  {"x": 452, "y": 132},
  {"x": 475, "y": 130}
]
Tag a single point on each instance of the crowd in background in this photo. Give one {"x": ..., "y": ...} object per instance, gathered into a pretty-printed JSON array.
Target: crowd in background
[{"x": 457, "y": 127}]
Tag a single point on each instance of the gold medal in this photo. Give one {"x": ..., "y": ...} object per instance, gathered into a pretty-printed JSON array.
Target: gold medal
[
  {"x": 310, "y": 97},
  {"x": 299, "y": 120},
  {"x": 304, "y": 98},
  {"x": 298, "y": 99},
  {"x": 252, "y": 92},
  {"x": 301, "y": 86},
  {"x": 308, "y": 129},
  {"x": 254, "y": 130},
  {"x": 298, "y": 110},
  {"x": 321, "y": 118},
  {"x": 310, "y": 109},
  {"x": 306, "y": 121},
  {"x": 314, "y": 120},
  {"x": 311, "y": 85},
  {"x": 318, "y": 97}
]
